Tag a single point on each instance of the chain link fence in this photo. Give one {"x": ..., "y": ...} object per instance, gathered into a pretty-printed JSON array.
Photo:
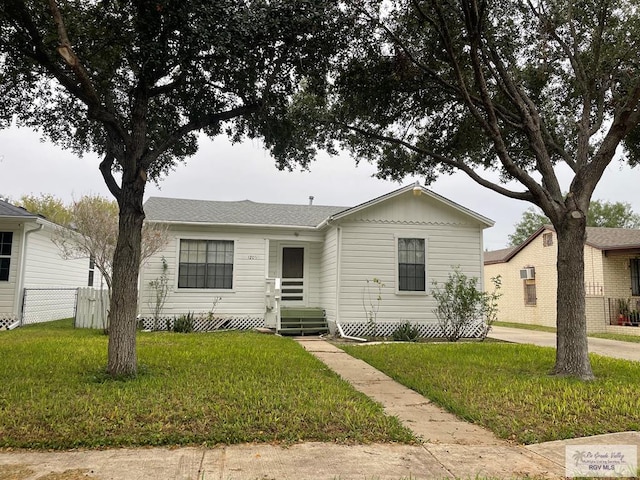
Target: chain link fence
[{"x": 47, "y": 304}]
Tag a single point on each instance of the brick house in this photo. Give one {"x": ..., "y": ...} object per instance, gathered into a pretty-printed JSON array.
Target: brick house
[{"x": 612, "y": 279}]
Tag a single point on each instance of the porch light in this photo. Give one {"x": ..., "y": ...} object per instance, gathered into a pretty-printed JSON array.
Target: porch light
[{"x": 417, "y": 189}]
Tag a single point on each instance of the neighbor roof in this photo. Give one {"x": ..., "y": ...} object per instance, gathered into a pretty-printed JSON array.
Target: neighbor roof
[
  {"x": 498, "y": 256},
  {"x": 602, "y": 238},
  {"x": 613, "y": 238},
  {"x": 8, "y": 210},
  {"x": 245, "y": 212}
]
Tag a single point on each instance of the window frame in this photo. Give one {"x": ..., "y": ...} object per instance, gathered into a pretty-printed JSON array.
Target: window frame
[
  {"x": 92, "y": 269},
  {"x": 205, "y": 289},
  {"x": 526, "y": 287},
  {"x": 634, "y": 274},
  {"x": 547, "y": 239},
  {"x": 410, "y": 235},
  {"x": 6, "y": 257}
]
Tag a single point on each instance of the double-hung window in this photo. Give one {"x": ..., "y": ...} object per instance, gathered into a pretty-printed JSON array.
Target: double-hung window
[
  {"x": 411, "y": 265},
  {"x": 206, "y": 264},
  {"x": 6, "y": 240}
]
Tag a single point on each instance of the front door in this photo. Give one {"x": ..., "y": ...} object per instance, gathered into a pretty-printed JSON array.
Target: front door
[{"x": 293, "y": 289}]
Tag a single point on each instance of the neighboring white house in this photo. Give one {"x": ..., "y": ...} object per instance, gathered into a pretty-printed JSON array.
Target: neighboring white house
[
  {"x": 31, "y": 262},
  {"x": 253, "y": 261}
]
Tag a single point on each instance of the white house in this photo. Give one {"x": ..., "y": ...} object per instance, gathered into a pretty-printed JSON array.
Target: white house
[
  {"x": 261, "y": 264},
  {"x": 30, "y": 262}
]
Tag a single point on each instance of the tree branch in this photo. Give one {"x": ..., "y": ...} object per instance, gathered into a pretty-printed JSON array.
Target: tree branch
[
  {"x": 106, "y": 170},
  {"x": 197, "y": 124},
  {"x": 527, "y": 196}
]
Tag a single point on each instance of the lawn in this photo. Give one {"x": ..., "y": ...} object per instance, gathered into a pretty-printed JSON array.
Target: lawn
[
  {"x": 201, "y": 388},
  {"x": 506, "y": 388}
]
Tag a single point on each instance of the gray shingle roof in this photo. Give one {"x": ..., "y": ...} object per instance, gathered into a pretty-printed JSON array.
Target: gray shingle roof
[
  {"x": 613, "y": 238},
  {"x": 245, "y": 212},
  {"x": 497, "y": 256},
  {"x": 8, "y": 210}
]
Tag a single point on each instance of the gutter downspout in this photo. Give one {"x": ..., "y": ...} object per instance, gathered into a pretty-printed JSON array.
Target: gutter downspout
[
  {"x": 21, "y": 272},
  {"x": 342, "y": 335},
  {"x": 338, "y": 268}
]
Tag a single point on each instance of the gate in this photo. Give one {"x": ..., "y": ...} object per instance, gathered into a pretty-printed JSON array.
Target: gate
[{"x": 47, "y": 304}]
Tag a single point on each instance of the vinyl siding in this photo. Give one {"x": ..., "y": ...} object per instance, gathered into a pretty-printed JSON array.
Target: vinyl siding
[
  {"x": 45, "y": 268},
  {"x": 369, "y": 240},
  {"x": 8, "y": 304},
  {"x": 328, "y": 272},
  {"x": 247, "y": 298}
]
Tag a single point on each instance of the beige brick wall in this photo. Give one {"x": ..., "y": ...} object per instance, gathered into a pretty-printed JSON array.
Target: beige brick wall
[
  {"x": 617, "y": 276},
  {"x": 597, "y": 314},
  {"x": 512, "y": 306}
]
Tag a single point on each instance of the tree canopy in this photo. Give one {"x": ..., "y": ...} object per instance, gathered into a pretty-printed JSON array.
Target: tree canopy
[
  {"x": 601, "y": 214},
  {"x": 47, "y": 205},
  {"x": 519, "y": 88},
  {"x": 136, "y": 81}
]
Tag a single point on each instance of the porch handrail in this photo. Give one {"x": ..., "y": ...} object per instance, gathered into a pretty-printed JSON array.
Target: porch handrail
[{"x": 273, "y": 297}]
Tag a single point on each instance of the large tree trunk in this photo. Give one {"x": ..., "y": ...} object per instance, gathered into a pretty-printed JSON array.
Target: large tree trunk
[
  {"x": 572, "y": 354},
  {"x": 122, "y": 357}
]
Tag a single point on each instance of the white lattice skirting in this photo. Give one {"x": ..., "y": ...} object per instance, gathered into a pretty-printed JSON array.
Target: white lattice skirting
[
  {"x": 386, "y": 329},
  {"x": 6, "y": 322},
  {"x": 205, "y": 324}
]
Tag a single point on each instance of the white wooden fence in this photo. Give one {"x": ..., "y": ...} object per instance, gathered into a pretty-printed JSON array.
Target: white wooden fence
[{"x": 92, "y": 309}]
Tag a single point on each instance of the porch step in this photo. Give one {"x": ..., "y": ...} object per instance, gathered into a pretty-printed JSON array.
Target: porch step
[{"x": 303, "y": 321}]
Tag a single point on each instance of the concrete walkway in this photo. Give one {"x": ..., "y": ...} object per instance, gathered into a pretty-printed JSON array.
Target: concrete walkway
[
  {"x": 601, "y": 346},
  {"x": 452, "y": 448}
]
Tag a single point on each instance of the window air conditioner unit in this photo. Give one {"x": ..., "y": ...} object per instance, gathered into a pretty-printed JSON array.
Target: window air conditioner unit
[{"x": 528, "y": 273}]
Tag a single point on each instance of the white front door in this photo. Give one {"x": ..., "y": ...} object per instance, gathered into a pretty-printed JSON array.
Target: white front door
[{"x": 293, "y": 288}]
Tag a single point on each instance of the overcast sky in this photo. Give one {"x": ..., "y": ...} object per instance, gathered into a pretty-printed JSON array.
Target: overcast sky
[{"x": 221, "y": 171}]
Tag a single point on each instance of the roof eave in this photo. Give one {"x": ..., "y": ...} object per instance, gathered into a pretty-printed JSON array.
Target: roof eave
[
  {"x": 487, "y": 222},
  {"x": 243, "y": 225}
]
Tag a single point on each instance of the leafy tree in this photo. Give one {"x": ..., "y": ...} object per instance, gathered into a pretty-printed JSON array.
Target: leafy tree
[
  {"x": 94, "y": 233},
  {"x": 600, "y": 214},
  {"x": 135, "y": 81},
  {"x": 612, "y": 215},
  {"x": 516, "y": 87},
  {"x": 531, "y": 220},
  {"x": 47, "y": 205}
]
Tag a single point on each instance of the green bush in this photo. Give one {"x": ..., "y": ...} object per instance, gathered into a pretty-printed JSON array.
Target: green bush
[
  {"x": 184, "y": 323},
  {"x": 462, "y": 304},
  {"x": 406, "y": 333}
]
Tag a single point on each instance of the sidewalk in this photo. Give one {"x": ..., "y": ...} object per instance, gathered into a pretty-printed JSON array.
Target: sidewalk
[
  {"x": 601, "y": 346},
  {"x": 453, "y": 448}
]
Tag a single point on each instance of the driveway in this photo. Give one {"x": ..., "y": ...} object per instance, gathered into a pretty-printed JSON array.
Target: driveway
[{"x": 607, "y": 348}]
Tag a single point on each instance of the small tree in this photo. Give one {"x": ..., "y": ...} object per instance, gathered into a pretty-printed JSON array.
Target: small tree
[
  {"x": 160, "y": 287},
  {"x": 461, "y": 305},
  {"x": 371, "y": 299},
  {"x": 94, "y": 233}
]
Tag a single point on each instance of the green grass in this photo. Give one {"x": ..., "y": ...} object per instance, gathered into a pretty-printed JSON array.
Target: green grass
[
  {"x": 617, "y": 336},
  {"x": 192, "y": 389},
  {"x": 526, "y": 326},
  {"x": 506, "y": 388}
]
